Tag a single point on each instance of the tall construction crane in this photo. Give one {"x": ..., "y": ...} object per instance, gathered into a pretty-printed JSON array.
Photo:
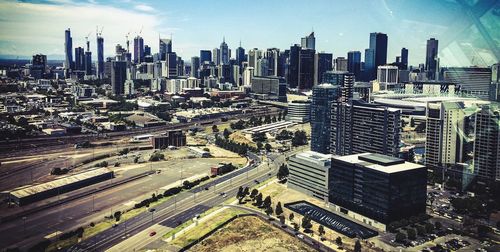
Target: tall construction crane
[
  {"x": 88, "y": 43},
  {"x": 128, "y": 42}
]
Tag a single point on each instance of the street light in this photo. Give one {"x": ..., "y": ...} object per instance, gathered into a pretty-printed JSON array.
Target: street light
[
  {"x": 152, "y": 210},
  {"x": 24, "y": 224}
]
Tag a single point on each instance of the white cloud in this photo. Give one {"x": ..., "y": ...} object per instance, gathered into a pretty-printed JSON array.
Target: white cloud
[
  {"x": 39, "y": 28},
  {"x": 144, "y": 7}
]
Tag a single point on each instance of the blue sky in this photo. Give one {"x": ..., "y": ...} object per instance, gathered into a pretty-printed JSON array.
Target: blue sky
[{"x": 30, "y": 27}]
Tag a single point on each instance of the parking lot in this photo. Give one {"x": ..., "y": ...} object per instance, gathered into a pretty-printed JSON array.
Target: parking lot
[{"x": 331, "y": 220}]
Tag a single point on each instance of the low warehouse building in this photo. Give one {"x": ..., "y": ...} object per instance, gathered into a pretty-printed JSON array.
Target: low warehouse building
[
  {"x": 31, "y": 193},
  {"x": 171, "y": 138}
]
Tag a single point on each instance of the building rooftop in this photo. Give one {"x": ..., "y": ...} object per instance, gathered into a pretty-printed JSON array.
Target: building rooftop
[
  {"x": 315, "y": 157},
  {"x": 28, "y": 190},
  {"x": 382, "y": 163}
]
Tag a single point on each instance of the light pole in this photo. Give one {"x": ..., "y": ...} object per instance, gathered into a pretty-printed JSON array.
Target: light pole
[
  {"x": 24, "y": 225},
  {"x": 152, "y": 210}
]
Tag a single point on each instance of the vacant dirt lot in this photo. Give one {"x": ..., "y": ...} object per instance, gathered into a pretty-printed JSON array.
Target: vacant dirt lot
[{"x": 250, "y": 234}]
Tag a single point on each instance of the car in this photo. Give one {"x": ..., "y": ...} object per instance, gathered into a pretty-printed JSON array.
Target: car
[
  {"x": 301, "y": 236},
  {"x": 256, "y": 181},
  {"x": 152, "y": 233},
  {"x": 115, "y": 225},
  {"x": 206, "y": 188}
]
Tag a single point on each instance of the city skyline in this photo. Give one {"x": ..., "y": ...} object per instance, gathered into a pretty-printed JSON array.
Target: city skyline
[{"x": 336, "y": 31}]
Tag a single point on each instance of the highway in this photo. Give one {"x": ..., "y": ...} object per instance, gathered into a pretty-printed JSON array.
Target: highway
[{"x": 183, "y": 206}]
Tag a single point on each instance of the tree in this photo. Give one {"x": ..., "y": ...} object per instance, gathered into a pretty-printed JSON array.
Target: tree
[
  {"x": 338, "y": 240},
  {"x": 420, "y": 230},
  {"x": 273, "y": 119},
  {"x": 279, "y": 209},
  {"x": 268, "y": 147},
  {"x": 321, "y": 230},
  {"x": 254, "y": 193},
  {"x": 239, "y": 194},
  {"x": 306, "y": 223},
  {"x": 117, "y": 215},
  {"x": 226, "y": 133},
  {"x": 246, "y": 191},
  {"x": 267, "y": 119},
  {"x": 299, "y": 138},
  {"x": 291, "y": 216},
  {"x": 259, "y": 145},
  {"x": 269, "y": 211},
  {"x": 412, "y": 234},
  {"x": 282, "y": 172},
  {"x": 483, "y": 230},
  {"x": 282, "y": 220},
  {"x": 400, "y": 237},
  {"x": 438, "y": 225},
  {"x": 429, "y": 227},
  {"x": 136, "y": 160},
  {"x": 357, "y": 246},
  {"x": 215, "y": 129},
  {"x": 296, "y": 227},
  {"x": 259, "y": 137},
  {"x": 258, "y": 200},
  {"x": 267, "y": 202}
]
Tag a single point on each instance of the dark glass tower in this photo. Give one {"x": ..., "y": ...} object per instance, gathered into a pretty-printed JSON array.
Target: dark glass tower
[
  {"x": 118, "y": 77},
  {"x": 100, "y": 57},
  {"x": 240, "y": 55},
  {"x": 404, "y": 58},
  {"x": 68, "y": 50},
  {"x": 224, "y": 52},
  {"x": 322, "y": 98},
  {"x": 306, "y": 69},
  {"x": 293, "y": 66},
  {"x": 323, "y": 64},
  {"x": 431, "y": 58},
  {"x": 205, "y": 55},
  {"x": 378, "y": 47},
  {"x": 195, "y": 65},
  {"x": 165, "y": 47},
  {"x": 354, "y": 62},
  {"x": 79, "y": 58},
  {"x": 138, "y": 49}
]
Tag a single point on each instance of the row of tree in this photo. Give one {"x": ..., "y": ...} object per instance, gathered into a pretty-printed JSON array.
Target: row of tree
[{"x": 227, "y": 144}]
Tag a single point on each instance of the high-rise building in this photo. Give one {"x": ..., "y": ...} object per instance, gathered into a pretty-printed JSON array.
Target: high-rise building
[
  {"x": 322, "y": 63},
  {"x": 272, "y": 55},
  {"x": 322, "y": 98},
  {"x": 473, "y": 81},
  {"x": 100, "y": 56},
  {"x": 431, "y": 58},
  {"x": 293, "y": 66},
  {"x": 195, "y": 66},
  {"x": 216, "y": 56},
  {"x": 341, "y": 64},
  {"x": 306, "y": 69},
  {"x": 369, "y": 68},
  {"x": 147, "y": 50},
  {"x": 282, "y": 63},
  {"x": 445, "y": 138},
  {"x": 487, "y": 143},
  {"x": 240, "y": 55},
  {"x": 68, "y": 50},
  {"x": 310, "y": 174},
  {"x": 224, "y": 52},
  {"x": 118, "y": 77},
  {"x": 88, "y": 62},
  {"x": 165, "y": 47},
  {"x": 79, "y": 58},
  {"x": 354, "y": 63},
  {"x": 138, "y": 49},
  {"x": 169, "y": 66},
  {"x": 205, "y": 55},
  {"x": 38, "y": 66},
  {"x": 376, "y": 55},
  {"x": 495, "y": 83},
  {"x": 342, "y": 78},
  {"x": 404, "y": 58},
  {"x": 377, "y": 189},
  {"x": 309, "y": 42},
  {"x": 387, "y": 77}
]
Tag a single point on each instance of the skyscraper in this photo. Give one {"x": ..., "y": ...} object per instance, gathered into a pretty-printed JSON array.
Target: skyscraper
[
  {"x": 341, "y": 64},
  {"x": 165, "y": 47},
  {"x": 474, "y": 81},
  {"x": 487, "y": 144},
  {"x": 224, "y": 52},
  {"x": 147, "y": 50},
  {"x": 205, "y": 55},
  {"x": 431, "y": 58},
  {"x": 378, "y": 47},
  {"x": 309, "y": 42},
  {"x": 118, "y": 77},
  {"x": 68, "y": 49},
  {"x": 322, "y": 98},
  {"x": 88, "y": 61},
  {"x": 195, "y": 66},
  {"x": 369, "y": 69},
  {"x": 79, "y": 58},
  {"x": 354, "y": 63},
  {"x": 306, "y": 69},
  {"x": 216, "y": 56},
  {"x": 322, "y": 63},
  {"x": 240, "y": 55},
  {"x": 293, "y": 66},
  {"x": 272, "y": 55},
  {"x": 404, "y": 58},
  {"x": 138, "y": 49},
  {"x": 100, "y": 56}
]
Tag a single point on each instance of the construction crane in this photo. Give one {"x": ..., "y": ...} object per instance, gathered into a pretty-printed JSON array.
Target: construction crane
[
  {"x": 97, "y": 32},
  {"x": 140, "y": 31}
]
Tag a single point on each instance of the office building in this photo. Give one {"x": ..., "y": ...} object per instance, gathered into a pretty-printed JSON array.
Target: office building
[
  {"x": 377, "y": 189},
  {"x": 299, "y": 111},
  {"x": 147, "y": 50},
  {"x": 376, "y": 55},
  {"x": 445, "y": 137},
  {"x": 387, "y": 77},
  {"x": 88, "y": 61},
  {"x": 310, "y": 173},
  {"x": 118, "y": 77},
  {"x": 404, "y": 58},
  {"x": 341, "y": 64},
  {"x": 79, "y": 59},
  {"x": 354, "y": 63},
  {"x": 293, "y": 66},
  {"x": 342, "y": 78},
  {"x": 170, "y": 138},
  {"x": 369, "y": 67},
  {"x": 38, "y": 66},
  {"x": 68, "y": 46},
  {"x": 487, "y": 143},
  {"x": 240, "y": 55},
  {"x": 323, "y": 96},
  {"x": 216, "y": 56},
  {"x": 431, "y": 63},
  {"x": 100, "y": 56},
  {"x": 224, "y": 52},
  {"x": 473, "y": 81},
  {"x": 165, "y": 47},
  {"x": 195, "y": 66},
  {"x": 138, "y": 49},
  {"x": 322, "y": 63},
  {"x": 205, "y": 55},
  {"x": 306, "y": 69},
  {"x": 309, "y": 42},
  {"x": 271, "y": 56},
  {"x": 495, "y": 83},
  {"x": 169, "y": 66},
  {"x": 269, "y": 88}
]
